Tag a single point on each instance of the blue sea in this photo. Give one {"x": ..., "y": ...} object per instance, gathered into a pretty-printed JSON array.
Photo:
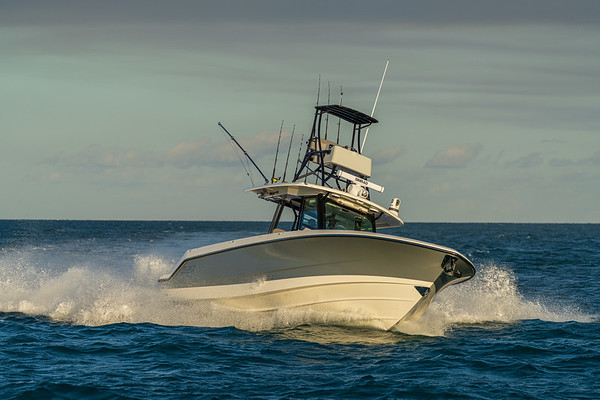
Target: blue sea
[{"x": 81, "y": 317}]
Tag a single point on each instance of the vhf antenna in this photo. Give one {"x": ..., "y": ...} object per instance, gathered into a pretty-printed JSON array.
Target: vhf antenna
[{"x": 375, "y": 105}]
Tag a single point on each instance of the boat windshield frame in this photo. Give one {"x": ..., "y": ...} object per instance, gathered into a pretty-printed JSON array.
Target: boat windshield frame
[{"x": 321, "y": 212}]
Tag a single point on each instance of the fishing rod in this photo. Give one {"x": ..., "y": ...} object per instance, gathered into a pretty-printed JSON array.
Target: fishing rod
[
  {"x": 319, "y": 90},
  {"x": 328, "y": 102},
  {"x": 245, "y": 152},
  {"x": 339, "y": 119},
  {"x": 276, "y": 153},
  {"x": 288, "y": 155},
  {"x": 298, "y": 159},
  {"x": 375, "y": 105}
]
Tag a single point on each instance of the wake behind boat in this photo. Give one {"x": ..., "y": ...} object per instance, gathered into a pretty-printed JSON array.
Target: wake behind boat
[{"x": 333, "y": 259}]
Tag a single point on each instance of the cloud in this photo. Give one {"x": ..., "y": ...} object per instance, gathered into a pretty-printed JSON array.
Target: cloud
[
  {"x": 438, "y": 189},
  {"x": 54, "y": 177},
  {"x": 263, "y": 143},
  {"x": 388, "y": 155},
  {"x": 184, "y": 149},
  {"x": 267, "y": 11},
  {"x": 96, "y": 157},
  {"x": 223, "y": 152},
  {"x": 560, "y": 162},
  {"x": 454, "y": 157},
  {"x": 554, "y": 141},
  {"x": 594, "y": 159},
  {"x": 528, "y": 161},
  {"x": 186, "y": 154}
]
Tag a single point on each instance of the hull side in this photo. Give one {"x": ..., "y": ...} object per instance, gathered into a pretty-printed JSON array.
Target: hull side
[
  {"x": 373, "y": 300},
  {"x": 384, "y": 278}
]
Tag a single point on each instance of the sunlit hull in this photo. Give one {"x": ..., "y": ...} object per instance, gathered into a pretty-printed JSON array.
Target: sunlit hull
[{"x": 379, "y": 279}]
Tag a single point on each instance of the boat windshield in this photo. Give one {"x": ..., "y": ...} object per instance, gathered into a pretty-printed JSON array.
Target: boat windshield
[
  {"x": 338, "y": 217},
  {"x": 334, "y": 216},
  {"x": 310, "y": 214}
]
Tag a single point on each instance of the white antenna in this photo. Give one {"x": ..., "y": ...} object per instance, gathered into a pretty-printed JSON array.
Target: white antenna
[{"x": 375, "y": 105}]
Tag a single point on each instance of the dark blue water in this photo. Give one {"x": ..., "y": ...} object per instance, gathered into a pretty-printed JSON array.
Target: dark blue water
[{"x": 81, "y": 317}]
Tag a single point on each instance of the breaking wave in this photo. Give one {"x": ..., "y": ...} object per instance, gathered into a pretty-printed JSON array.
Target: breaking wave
[
  {"x": 492, "y": 296},
  {"x": 98, "y": 295}
]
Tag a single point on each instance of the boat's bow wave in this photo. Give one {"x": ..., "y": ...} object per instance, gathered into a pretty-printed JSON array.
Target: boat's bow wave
[
  {"x": 89, "y": 294},
  {"x": 492, "y": 297}
]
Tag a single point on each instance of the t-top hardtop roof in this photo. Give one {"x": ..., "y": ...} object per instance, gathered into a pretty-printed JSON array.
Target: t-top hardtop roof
[
  {"x": 296, "y": 190},
  {"x": 347, "y": 114}
]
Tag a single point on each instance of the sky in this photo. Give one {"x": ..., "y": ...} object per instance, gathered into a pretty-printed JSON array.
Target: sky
[{"x": 490, "y": 110}]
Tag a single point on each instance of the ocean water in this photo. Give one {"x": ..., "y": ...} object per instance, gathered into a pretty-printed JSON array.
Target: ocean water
[{"x": 81, "y": 317}]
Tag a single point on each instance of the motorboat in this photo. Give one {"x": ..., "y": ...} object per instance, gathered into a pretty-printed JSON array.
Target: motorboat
[{"x": 325, "y": 250}]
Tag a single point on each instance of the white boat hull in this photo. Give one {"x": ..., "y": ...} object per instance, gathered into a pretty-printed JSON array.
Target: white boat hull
[
  {"x": 381, "y": 279},
  {"x": 371, "y": 300}
]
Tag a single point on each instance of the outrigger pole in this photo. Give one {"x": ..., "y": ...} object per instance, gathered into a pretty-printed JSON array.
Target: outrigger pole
[
  {"x": 375, "y": 105},
  {"x": 245, "y": 152}
]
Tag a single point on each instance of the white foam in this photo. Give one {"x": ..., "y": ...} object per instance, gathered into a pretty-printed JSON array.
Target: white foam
[
  {"x": 492, "y": 296},
  {"x": 97, "y": 294}
]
